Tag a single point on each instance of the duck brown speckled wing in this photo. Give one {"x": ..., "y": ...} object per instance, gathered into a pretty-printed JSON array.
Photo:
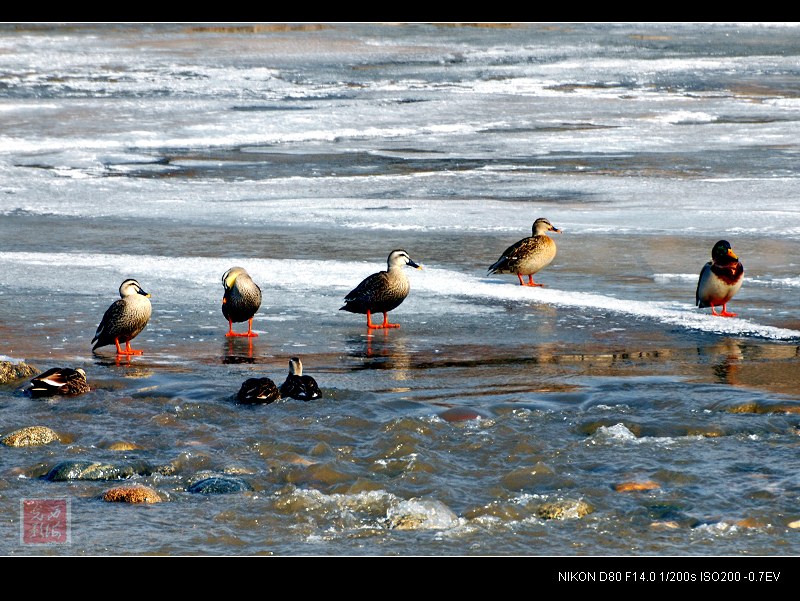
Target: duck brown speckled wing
[
  {"x": 241, "y": 299},
  {"x": 526, "y": 257},
  {"x": 59, "y": 381},
  {"x": 377, "y": 293},
  {"x": 124, "y": 319},
  {"x": 529, "y": 255}
]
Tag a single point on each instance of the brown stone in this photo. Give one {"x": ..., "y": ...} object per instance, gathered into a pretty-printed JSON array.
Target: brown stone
[
  {"x": 29, "y": 437},
  {"x": 460, "y": 414},
  {"x": 132, "y": 494},
  {"x": 12, "y": 371},
  {"x": 751, "y": 523},
  {"x": 630, "y": 486},
  {"x": 525, "y": 477},
  {"x": 665, "y": 525},
  {"x": 505, "y": 511},
  {"x": 565, "y": 509},
  {"x": 123, "y": 446}
]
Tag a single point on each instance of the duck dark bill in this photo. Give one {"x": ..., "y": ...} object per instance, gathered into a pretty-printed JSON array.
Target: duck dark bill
[{"x": 383, "y": 291}]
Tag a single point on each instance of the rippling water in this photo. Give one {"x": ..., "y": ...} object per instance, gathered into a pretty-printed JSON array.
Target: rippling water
[{"x": 170, "y": 153}]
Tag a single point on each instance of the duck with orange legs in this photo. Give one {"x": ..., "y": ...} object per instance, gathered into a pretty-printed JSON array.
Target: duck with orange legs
[
  {"x": 241, "y": 300},
  {"x": 124, "y": 319},
  {"x": 720, "y": 279},
  {"x": 383, "y": 291}
]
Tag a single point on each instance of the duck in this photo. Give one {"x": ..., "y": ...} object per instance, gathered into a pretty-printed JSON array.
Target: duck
[
  {"x": 258, "y": 391},
  {"x": 124, "y": 319},
  {"x": 383, "y": 291},
  {"x": 529, "y": 255},
  {"x": 720, "y": 279},
  {"x": 241, "y": 300},
  {"x": 59, "y": 380},
  {"x": 299, "y": 386}
]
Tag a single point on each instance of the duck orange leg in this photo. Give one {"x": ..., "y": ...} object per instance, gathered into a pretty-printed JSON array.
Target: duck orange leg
[
  {"x": 724, "y": 312},
  {"x": 530, "y": 281},
  {"x": 128, "y": 350},
  {"x": 250, "y": 333},
  {"x": 385, "y": 323}
]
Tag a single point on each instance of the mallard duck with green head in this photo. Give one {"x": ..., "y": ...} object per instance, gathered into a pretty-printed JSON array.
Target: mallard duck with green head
[{"x": 720, "y": 279}]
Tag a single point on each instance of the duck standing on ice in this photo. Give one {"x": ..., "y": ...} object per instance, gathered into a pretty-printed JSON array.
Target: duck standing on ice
[
  {"x": 383, "y": 291},
  {"x": 720, "y": 279},
  {"x": 530, "y": 255}
]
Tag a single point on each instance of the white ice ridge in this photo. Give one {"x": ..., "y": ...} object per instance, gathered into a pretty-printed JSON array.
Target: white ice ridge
[
  {"x": 341, "y": 276},
  {"x": 669, "y": 313}
]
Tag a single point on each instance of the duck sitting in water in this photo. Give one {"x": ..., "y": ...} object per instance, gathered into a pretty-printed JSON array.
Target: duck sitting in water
[
  {"x": 124, "y": 319},
  {"x": 720, "y": 279},
  {"x": 529, "y": 255},
  {"x": 297, "y": 385},
  {"x": 258, "y": 390},
  {"x": 59, "y": 381},
  {"x": 241, "y": 300},
  {"x": 383, "y": 291}
]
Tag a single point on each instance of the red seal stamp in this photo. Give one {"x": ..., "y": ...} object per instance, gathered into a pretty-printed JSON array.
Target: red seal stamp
[{"x": 45, "y": 521}]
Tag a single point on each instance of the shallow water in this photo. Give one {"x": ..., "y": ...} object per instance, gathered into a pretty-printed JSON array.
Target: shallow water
[{"x": 171, "y": 153}]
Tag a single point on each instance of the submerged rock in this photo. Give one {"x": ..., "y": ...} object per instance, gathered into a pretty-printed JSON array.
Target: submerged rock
[
  {"x": 665, "y": 525},
  {"x": 564, "y": 509},
  {"x": 136, "y": 493},
  {"x": 421, "y": 514},
  {"x": 461, "y": 414},
  {"x": 505, "y": 511},
  {"x": 94, "y": 470},
  {"x": 123, "y": 445},
  {"x": 12, "y": 371},
  {"x": 29, "y": 437},
  {"x": 636, "y": 486},
  {"x": 219, "y": 485}
]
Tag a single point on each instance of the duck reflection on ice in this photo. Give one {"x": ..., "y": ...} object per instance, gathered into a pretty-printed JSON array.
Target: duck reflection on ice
[
  {"x": 731, "y": 355},
  {"x": 381, "y": 351},
  {"x": 238, "y": 350}
]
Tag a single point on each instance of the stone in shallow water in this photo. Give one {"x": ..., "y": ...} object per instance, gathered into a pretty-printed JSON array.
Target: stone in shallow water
[
  {"x": 528, "y": 476},
  {"x": 29, "y": 437},
  {"x": 506, "y": 511},
  {"x": 123, "y": 445},
  {"x": 219, "y": 485},
  {"x": 132, "y": 494},
  {"x": 564, "y": 509},
  {"x": 633, "y": 486},
  {"x": 421, "y": 514},
  {"x": 665, "y": 525},
  {"x": 11, "y": 371},
  {"x": 460, "y": 414},
  {"x": 94, "y": 470}
]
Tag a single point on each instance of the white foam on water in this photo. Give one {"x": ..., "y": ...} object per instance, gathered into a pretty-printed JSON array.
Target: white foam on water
[
  {"x": 422, "y": 514},
  {"x": 687, "y": 117}
]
